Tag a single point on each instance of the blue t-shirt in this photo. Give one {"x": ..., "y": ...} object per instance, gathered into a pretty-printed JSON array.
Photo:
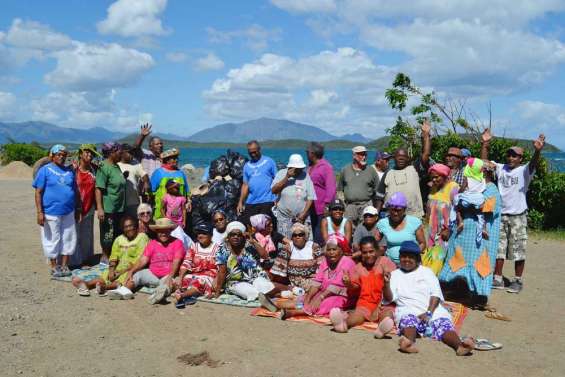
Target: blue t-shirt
[
  {"x": 394, "y": 238},
  {"x": 59, "y": 189},
  {"x": 259, "y": 176}
]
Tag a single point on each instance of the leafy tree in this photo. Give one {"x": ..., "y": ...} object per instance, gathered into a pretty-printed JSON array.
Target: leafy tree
[{"x": 28, "y": 153}]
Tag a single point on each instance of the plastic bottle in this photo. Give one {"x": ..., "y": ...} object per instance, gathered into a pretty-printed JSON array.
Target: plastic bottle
[{"x": 300, "y": 302}]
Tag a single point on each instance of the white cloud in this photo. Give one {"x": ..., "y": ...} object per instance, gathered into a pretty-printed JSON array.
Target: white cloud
[
  {"x": 328, "y": 89},
  {"x": 7, "y": 104},
  {"x": 255, "y": 36},
  {"x": 176, "y": 57},
  {"x": 34, "y": 35},
  {"x": 93, "y": 67},
  {"x": 209, "y": 62},
  {"x": 306, "y": 6},
  {"x": 535, "y": 117},
  {"x": 134, "y": 18}
]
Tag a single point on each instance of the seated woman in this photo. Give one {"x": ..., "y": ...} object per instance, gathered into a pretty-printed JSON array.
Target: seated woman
[
  {"x": 367, "y": 281},
  {"x": 160, "y": 262},
  {"x": 335, "y": 223},
  {"x": 269, "y": 239},
  {"x": 295, "y": 266},
  {"x": 399, "y": 227},
  {"x": 126, "y": 250},
  {"x": 416, "y": 292},
  {"x": 327, "y": 290},
  {"x": 198, "y": 270},
  {"x": 239, "y": 270}
]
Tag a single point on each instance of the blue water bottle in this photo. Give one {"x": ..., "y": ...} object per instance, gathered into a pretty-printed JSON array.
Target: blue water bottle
[{"x": 299, "y": 292}]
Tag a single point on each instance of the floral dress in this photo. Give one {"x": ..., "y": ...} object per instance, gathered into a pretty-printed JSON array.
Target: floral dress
[
  {"x": 239, "y": 268},
  {"x": 440, "y": 204},
  {"x": 200, "y": 263}
]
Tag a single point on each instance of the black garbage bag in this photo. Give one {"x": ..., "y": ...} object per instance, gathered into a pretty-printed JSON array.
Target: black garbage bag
[
  {"x": 219, "y": 167},
  {"x": 236, "y": 162}
]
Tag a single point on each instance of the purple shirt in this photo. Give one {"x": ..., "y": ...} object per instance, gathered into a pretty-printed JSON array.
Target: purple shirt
[{"x": 322, "y": 175}]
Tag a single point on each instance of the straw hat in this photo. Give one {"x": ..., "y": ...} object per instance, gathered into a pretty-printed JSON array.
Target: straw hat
[{"x": 163, "y": 224}]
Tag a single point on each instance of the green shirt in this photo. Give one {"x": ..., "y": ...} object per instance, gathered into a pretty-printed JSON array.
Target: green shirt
[
  {"x": 110, "y": 179},
  {"x": 358, "y": 185}
]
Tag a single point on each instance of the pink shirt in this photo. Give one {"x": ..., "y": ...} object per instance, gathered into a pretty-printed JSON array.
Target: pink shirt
[
  {"x": 323, "y": 177},
  {"x": 174, "y": 207},
  {"x": 161, "y": 257}
]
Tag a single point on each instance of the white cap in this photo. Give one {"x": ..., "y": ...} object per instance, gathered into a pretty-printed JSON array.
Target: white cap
[
  {"x": 370, "y": 210},
  {"x": 359, "y": 149},
  {"x": 296, "y": 161}
]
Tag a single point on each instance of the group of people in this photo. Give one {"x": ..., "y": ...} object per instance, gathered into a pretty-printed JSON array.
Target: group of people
[{"x": 376, "y": 244}]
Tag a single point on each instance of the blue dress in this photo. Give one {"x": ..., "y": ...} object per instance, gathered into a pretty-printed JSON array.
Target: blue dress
[{"x": 469, "y": 260}]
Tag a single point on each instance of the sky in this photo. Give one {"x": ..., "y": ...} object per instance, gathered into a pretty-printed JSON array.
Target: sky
[{"x": 188, "y": 65}]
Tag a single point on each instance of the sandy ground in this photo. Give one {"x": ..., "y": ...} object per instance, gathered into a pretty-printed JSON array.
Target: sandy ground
[{"x": 47, "y": 330}]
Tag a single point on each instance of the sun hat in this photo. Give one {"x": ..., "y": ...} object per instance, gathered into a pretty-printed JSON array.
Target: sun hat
[
  {"x": 409, "y": 247},
  {"x": 518, "y": 150},
  {"x": 359, "y": 149},
  {"x": 295, "y": 161},
  {"x": 57, "y": 148},
  {"x": 336, "y": 204},
  {"x": 169, "y": 153},
  {"x": 370, "y": 210},
  {"x": 382, "y": 156},
  {"x": 398, "y": 199},
  {"x": 163, "y": 224},
  {"x": 89, "y": 147},
  {"x": 203, "y": 229},
  {"x": 235, "y": 225}
]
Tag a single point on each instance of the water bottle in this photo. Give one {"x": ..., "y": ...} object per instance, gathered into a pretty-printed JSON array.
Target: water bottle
[{"x": 299, "y": 292}]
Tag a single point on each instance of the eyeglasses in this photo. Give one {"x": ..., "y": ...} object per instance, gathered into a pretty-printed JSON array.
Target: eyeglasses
[
  {"x": 144, "y": 213},
  {"x": 369, "y": 215},
  {"x": 219, "y": 220},
  {"x": 298, "y": 234},
  {"x": 238, "y": 234}
]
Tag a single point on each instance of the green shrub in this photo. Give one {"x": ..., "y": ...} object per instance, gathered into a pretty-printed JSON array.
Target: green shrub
[{"x": 28, "y": 153}]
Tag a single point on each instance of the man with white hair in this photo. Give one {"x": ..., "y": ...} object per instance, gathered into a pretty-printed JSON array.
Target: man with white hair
[{"x": 358, "y": 184}]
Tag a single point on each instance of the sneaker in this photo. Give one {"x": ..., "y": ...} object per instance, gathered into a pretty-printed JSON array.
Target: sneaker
[
  {"x": 120, "y": 293},
  {"x": 498, "y": 284},
  {"x": 159, "y": 295},
  {"x": 515, "y": 287}
]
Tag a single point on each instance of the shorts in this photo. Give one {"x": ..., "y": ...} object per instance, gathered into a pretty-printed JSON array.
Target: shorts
[
  {"x": 59, "y": 235},
  {"x": 367, "y": 308},
  {"x": 513, "y": 237},
  {"x": 354, "y": 211},
  {"x": 146, "y": 278},
  {"x": 109, "y": 230},
  {"x": 435, "y": 329}
]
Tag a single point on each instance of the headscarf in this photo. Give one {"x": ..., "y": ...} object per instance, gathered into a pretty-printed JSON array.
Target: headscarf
[
  {"x": 259, "y": 222},
  {"x": 341, "y": 241},
  {"x": 301, "y": 228},
  {"x": 440, "y": 169},
  {"x": 398, "y": 199},
  {"x": 56, "y": 149},
  {"x": 110, "y": 147},
  {"x": 235, "y": 225}
]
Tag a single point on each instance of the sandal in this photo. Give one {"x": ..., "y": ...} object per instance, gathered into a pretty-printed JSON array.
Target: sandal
[
  {"x": 499, "y": 316},
  {"x": 486, "y": 345}
]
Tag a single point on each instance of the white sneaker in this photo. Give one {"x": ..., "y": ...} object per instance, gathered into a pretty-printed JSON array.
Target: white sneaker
[
  {"x": 121, "y": 293},
  {"x": 159, "y": 295}
]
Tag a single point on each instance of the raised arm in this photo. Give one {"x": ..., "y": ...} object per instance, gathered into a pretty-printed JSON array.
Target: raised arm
[
  {"x": 486, "y": 137},
  {"x": 143, "y": 133},
  {"x": 539, "y": 143},
  {"x": 426, "y": 143}
]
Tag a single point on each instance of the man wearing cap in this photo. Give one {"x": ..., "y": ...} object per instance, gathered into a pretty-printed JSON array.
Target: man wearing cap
[
  {"x": 405, "y": 177},
  {"x": 381, "y": 163},
  {"x": 513, "y": 182},
  {"x": 296, "y": 195},
  {"x": 258, "y": 174},
  {"x": 358, "y": 184},
  {"x": 322, "y": 175},
  {"x": 134, "y": 175},
  {"x": 454, "y": 159},
  {"x": 150, "y": 158}
]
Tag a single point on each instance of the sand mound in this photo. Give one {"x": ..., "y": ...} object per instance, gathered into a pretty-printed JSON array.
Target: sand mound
[{"x": 16, "y": 170}]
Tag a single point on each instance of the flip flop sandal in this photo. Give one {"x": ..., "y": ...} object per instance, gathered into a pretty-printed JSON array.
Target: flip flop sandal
[
  {"x": 83, "y": 291},
  {"x": 486, "y": 345},
  {"x": 499, "y": 316}
]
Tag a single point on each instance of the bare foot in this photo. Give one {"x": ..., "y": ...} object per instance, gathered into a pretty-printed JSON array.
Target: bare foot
[
  {"x": 384, "y": 328},
  {"x": 100, "y": 288},
  {"x": 466, "y": 347},
  {"x": 338, "y": 320},
  {"x": 406, "y": 345}
]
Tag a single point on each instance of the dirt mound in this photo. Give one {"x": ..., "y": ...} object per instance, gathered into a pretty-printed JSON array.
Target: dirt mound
[{"x": 16, "y": 170}]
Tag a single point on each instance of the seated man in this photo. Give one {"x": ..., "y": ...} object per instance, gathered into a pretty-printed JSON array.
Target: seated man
[{"x": 367, "y": 281}]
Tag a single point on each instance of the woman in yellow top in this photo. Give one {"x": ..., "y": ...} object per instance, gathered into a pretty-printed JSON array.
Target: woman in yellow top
[{"x": 126, "y": 250}]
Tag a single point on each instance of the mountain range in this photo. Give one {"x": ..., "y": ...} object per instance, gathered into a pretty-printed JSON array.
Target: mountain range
[{"x": 259, "y": 129}]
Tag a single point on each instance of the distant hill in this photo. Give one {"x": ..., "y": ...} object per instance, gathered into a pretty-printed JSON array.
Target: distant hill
[{"x": 268, "y": 129}]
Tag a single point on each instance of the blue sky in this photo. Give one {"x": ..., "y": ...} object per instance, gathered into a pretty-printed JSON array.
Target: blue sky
[{"x": 188, "y": 65}]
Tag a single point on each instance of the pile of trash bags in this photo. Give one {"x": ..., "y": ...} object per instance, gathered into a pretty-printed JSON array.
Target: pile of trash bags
[{"x": 222, "y": 190}]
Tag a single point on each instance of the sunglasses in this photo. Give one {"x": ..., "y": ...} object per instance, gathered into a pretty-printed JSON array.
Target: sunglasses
[
  {"x": 219, "y": 220},
  {"x": 369, "y": 215},
  {"x": 298, "y": 234},
  {"x": 144, "y": 213}
]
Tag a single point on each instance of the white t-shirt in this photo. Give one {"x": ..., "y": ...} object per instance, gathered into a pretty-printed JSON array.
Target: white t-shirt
[
  {"x": 513, "y": 186},
  {"x": 306, "y": 253},
  {"x": 412, "y": 291},
  {"x": 135, "y": 173},
  {"x": 218, "y": 237},
  {"x": 179, "y": 234}
]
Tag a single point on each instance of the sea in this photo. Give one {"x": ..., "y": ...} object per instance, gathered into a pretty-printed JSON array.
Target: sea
[{"x": 202, "y": 157}]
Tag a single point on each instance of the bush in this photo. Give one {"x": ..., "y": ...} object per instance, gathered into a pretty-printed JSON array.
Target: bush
[{"x": 28, "y": 153}]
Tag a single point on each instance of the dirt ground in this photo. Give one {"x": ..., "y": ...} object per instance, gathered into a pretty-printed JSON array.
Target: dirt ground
[{"x": 47, "y": 330}]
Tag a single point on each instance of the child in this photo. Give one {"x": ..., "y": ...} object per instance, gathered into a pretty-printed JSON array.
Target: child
[
  {"x": 126, "y": 250},
  {"x": 198, "y": 270},
  {"x": 416, "y": 292},
  {"x": 173, "y": 204},
  {"x": 472, "y": 197},
  {"x": 367, "y": 282}
]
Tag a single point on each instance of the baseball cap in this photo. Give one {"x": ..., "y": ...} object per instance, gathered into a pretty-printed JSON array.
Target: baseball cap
[
  {"x": 370, "y": 210},
  {"x": 203, "y": 229},
  {"x": 382, "y": 156},
  {"x": 359, "y": 149},
  {"x": 518, "y": 150},
  {"x": 409, "y": 247},
  {"x": 336, "y": 204}
]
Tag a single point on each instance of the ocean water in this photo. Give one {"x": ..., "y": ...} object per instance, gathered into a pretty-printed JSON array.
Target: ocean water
[{"x": 201, "y": 157}]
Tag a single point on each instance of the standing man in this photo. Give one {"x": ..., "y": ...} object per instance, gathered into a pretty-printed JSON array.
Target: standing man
[
  {"x": 454, "y": 159},
  {"x": 256, "y": 195},
  {"x": 358, "y": 184},
  {"x": 135, "y": 177},
  {"x": 513, "y": 182},
  {"x": 381, "y": 163},
  {"x": 149, "y": 158},
  {"x": 322, "y": 175}
]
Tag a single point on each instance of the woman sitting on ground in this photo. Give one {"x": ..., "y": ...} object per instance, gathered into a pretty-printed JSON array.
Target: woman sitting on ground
[
  {"x": 198, "y": 270},
  {"x": 415, "y": 290},
  {"x": 399, "y": 227},
  {"x": 126, "y": 250},
  {"x": 269, "y": 239},
  {"x": 327, "y": 290},
  {"x": 335, "y": 223},
  {"x": 220, "y": 222},
  {"x": 367, "y": 281},
  {"x": 295, "y": 266},
  {"x": 239, "y": 270},
  {"x": 160, "y": 262}
]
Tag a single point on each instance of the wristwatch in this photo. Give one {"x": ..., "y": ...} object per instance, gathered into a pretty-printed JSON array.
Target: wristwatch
[{"x": 429, "y": 313}]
